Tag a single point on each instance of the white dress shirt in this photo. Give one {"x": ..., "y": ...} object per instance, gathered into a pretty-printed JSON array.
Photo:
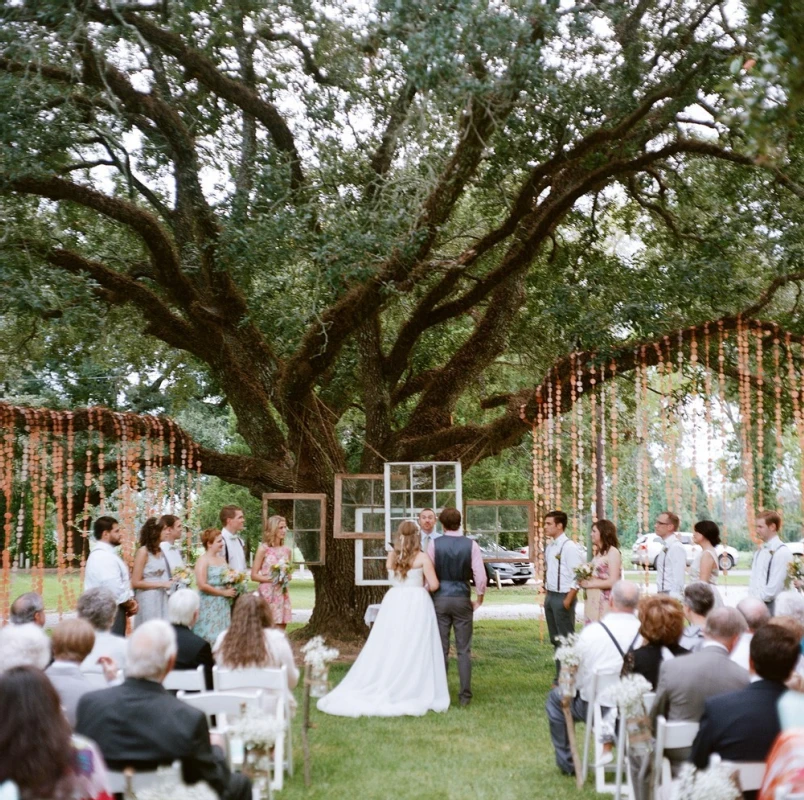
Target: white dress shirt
[
  {"x": 561, "y": 572},
  {"x": 598, "y": 652},
  {"x": 769, "y": 570},
  {"x": 234, "y": 552},
  {"x": 671, "y": 564},
  {"x": 172, "y": 554},
  {"x": 105, "y": 568}
]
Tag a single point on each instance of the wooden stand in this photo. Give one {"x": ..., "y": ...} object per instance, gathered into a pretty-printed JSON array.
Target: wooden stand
[
  {"x": 565, "y": 705},
  {"x": 306, "y": 725}
]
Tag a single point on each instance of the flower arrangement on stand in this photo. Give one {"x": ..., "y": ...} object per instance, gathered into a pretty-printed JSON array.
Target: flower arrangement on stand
[
  {"x": 629, "y": 695},
  {"x": 251, "y": 738},
  {"x": 316, "y": 659},
  {"x": 281, "y": 574},
  {"x": 715, "y": 783},
  {"x": 169, "y": 786},
  {"x": 569, "y": 658}
]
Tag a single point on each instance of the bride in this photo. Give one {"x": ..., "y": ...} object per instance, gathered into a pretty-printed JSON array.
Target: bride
[{"x": 400, "y": 670}]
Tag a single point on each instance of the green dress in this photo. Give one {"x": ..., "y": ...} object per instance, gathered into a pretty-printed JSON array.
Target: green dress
[{"x": 215, "y": 612}]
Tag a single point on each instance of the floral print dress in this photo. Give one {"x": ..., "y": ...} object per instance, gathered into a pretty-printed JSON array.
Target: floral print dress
[
  {"x": 278, "y": 600},
  {"x": 215, "y": 612}
]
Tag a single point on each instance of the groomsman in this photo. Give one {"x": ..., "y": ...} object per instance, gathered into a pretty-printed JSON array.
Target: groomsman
[
  {"x": 171, "y": 542},
  {"x": 671, "y": 563},
  {"x": 427, "y": 521},
  {"x": 561, "y": 557},
  {"x": 769, "y": 567},
  {"x": 233, "y": 521},
  {"x": 106, "y": 569}
]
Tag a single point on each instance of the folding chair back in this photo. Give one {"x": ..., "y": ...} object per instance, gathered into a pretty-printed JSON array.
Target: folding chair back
[
  {"x": 749, "y": 773},
  {"x": 129, "y": 781},
  {"x": 669, "y": 736},
  {"x": 185, "y": 680},
  {"x": 601, "y": 682}
]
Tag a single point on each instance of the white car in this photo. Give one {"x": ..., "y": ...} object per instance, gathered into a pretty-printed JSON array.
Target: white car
[{"x": 647, "y": 547}]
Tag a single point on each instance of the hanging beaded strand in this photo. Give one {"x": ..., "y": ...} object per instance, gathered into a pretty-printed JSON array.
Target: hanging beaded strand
[
  {"x": 759, "y": 333},
  {"x": 664, "y": 394},
  {"x": 574, "y": 440},
  {"x": 793, "y": 382},
  {"x": 693, "y": 406},
  {"x": 710, "y": 468},
  {"x": 777, "y": 396},
  {"x": 7, "y": 428},
  {"x": 593, "y": 442},
  {"x": 548, "y": 442},
  {"x": 579, "y": 410},
  {"x": 558, "y": 444},
  {"x": 614, "y": 449},
  {"x": 744, "y": 382}
]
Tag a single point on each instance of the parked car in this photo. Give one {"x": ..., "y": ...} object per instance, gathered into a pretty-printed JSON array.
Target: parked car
[
  {"x": 647, "y": 547},
  {"x": 519, "y": 572}
]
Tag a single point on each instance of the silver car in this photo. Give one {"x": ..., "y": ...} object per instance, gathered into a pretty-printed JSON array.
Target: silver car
[{"x": 647, "y": 547}]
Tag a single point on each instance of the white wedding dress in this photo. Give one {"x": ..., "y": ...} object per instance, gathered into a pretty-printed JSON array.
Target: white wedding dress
[{"x": 400, "y": 670}]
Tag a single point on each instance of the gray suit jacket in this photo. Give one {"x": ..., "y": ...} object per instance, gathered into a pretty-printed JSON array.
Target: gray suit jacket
[
  {"x": 685, "y": 684},
  {"x": 71, "y": 684}
]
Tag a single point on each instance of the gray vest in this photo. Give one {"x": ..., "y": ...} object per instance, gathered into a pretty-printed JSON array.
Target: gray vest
[{"x": 453, "y": 566}]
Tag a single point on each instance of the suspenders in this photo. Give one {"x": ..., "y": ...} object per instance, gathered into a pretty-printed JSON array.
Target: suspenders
[{"x": 558, "y": 562}]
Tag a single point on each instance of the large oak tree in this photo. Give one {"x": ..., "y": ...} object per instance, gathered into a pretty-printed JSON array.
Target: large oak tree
[{"x": 363, "y": 224}]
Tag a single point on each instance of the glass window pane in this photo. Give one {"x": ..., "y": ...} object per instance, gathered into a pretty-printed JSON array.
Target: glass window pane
[
  {"x": 445, "y": 476},
  {"x": 422, "y": 476},
  {"x": 400, "y": 477},
  {"x": 513, "y": 540},
  {"x": 422, "y": 500},
  {"x": 373, "y": 521},
  {"x": 374, "y": 569},
  {"x": 307, "y": 514},
  {"x": 481, "y": 518},
  {"x": 306, "y": 545},
  {"x": 514, "y": 518},
  {"x": 348, "y": 518},
  {"x": 374, "y": 548}
]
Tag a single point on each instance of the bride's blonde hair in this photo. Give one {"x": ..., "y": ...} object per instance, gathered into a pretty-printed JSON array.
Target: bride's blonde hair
[{"x": 406, "y": 546}]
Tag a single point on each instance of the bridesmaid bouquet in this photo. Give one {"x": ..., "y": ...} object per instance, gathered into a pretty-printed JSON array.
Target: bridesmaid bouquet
[
  {"x": 281, "y": 574},
  {"x": 236, "y": 579},
  {"x": 182, "y": 577},
  {"x": 795, "y": 574},
  {"x": 584, "y": 572}
]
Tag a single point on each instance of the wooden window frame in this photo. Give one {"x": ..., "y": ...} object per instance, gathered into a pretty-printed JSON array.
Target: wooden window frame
[
  {"x": 322, "y": 498},
  {"x": 337, "y": 531},
  {"x": 531, "y": 527}
]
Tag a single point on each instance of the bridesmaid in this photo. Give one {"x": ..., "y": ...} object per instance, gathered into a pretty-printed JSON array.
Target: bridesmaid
[
  {"x": 150, "y": 577},
  {"x": 606, "y": 569},
  {"x": 271, "y": 551},
  {"x": 215, "y": 611}
]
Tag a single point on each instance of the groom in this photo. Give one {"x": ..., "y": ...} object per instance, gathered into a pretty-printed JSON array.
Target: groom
[{"x": 456, "y": 560}]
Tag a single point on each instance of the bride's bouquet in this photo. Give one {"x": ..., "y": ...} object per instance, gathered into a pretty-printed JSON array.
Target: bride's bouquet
[{"x": 281, "y": 574}]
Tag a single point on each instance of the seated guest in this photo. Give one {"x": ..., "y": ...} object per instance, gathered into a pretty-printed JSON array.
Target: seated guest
[
  {"x": 685, "y": 684},
  {"x": 27, "y": 608},
  {"x": 661, "y": 624},
  {"x": 99, "y": 608},
  {"x": 699, "y": 600},
  {"x": 602, "y": 649},
  {"x": 251, "y": 641},
  {"x": 39, "y": 752},
  {"x": 140, "y": 724},
  {"x": 796, "y": 679},
  {"x": 23, "y": 646},
  {"x": 193, "y": 651},
  {"x": 756, "y": 614},
  {"x": 742, "y": 725},
  {"x": 71, "y": 643},
  {"x": 791, "y": 604}
]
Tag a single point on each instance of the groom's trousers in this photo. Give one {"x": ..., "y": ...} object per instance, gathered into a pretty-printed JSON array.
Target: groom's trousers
[
  {"x": 560, "y": 620},
  {"x": 456, "y": 612}
]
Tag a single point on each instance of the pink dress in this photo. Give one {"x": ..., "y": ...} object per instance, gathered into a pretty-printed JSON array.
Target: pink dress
[
  {"x": 278, "y": 600},
  {"x": 598, "y": 601}
]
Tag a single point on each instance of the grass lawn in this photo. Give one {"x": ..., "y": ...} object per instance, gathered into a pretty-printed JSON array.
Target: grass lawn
[{"x": 498, "y": 747}]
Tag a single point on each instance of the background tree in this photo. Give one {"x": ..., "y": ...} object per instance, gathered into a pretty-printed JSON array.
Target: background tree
[{"x": 368, "y": 230}]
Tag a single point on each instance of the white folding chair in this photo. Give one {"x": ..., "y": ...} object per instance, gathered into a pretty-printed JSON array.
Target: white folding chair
[
  {"x": 185, "y": 680},
  {"x": 648, "y": 699},
  {"x": 750, "y": 774},
  {"x": 623, "y": 766},
  {"x": 129, "y": 781},
  {"x": 669, "y": 736},
  {"x": 222, "y": 705},
  {"x": 272, "y": 680},
  {"x": 601, "y": 682}
]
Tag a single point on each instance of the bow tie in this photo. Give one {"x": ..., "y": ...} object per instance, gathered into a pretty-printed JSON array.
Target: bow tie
[{"x": 174, "y": 547}]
